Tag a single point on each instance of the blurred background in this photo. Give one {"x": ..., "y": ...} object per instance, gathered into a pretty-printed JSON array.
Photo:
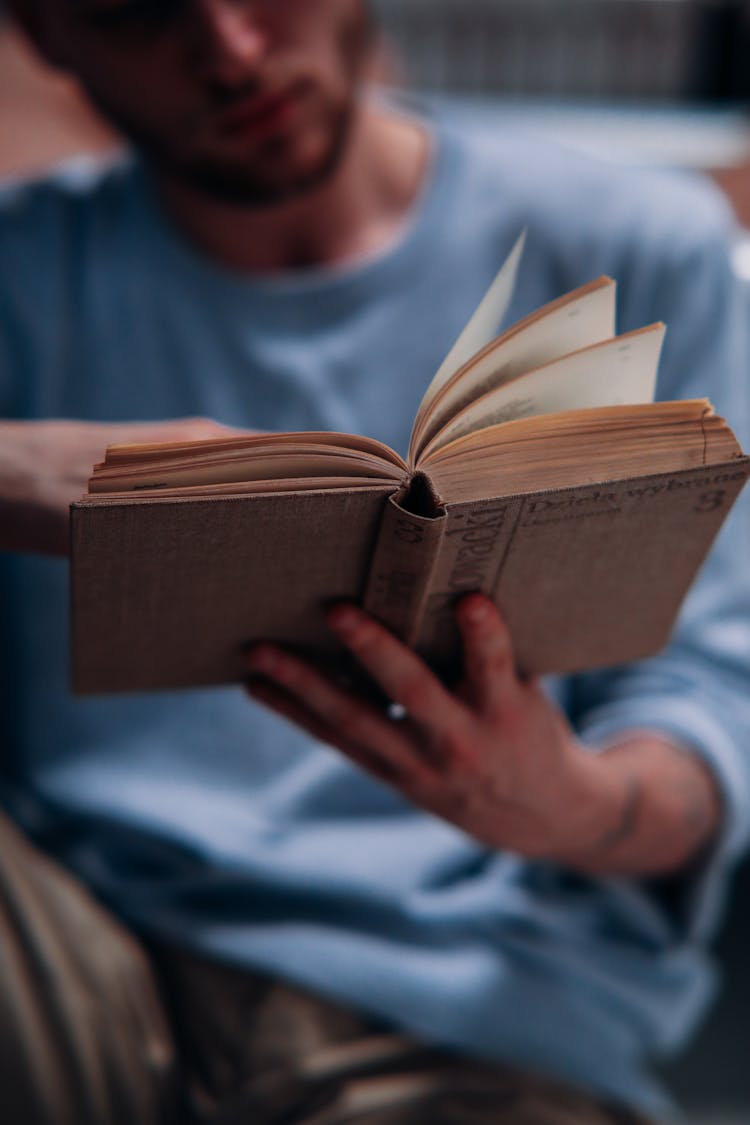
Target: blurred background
[
  {"x": 664, "y": 81},
  {"x": 634, "y": 50}
]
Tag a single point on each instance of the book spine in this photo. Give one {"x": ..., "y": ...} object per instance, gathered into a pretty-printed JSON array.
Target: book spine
[
  {"x": 477, "y": 538},
  {"x": 405, "y": 556}
]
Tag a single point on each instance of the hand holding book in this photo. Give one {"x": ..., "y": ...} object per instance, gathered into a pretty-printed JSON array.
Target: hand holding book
[
  {"x": 497, "y": 759},
  {"x": 44, "y": 466}
]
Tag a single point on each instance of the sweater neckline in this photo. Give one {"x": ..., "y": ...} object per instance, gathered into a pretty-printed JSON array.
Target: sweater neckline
[{"x": 322, "y": 282}]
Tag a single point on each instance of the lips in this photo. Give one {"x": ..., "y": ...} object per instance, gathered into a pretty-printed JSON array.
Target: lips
[{"x": 258, "y": 114}]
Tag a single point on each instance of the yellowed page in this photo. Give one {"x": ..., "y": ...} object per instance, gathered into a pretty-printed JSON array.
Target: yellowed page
[
  {"x": 572, "y": 422},
  {"x": 239, "y": 445},
  {"x": 617, "y": 372},
  {"x": 576, "y": 320},
  {"x": 482, "y": 326},
  {"x": 266, "y": 464},
  {"x": 556, "y": 451},
  {"x": 243, "y": 488}
]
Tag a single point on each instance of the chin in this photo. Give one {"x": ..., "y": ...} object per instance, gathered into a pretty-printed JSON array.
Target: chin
[
  {"x": 238, "y": 186},
  {"x": 283, "y": 168}
]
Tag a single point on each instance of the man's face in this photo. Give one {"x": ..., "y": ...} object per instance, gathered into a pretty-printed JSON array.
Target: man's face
[{"x": 247, "y": 100}]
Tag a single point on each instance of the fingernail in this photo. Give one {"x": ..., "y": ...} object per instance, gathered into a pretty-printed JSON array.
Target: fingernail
[
  {"x": 263, "y": 659},
  {"x": 475, "y": 609},
  {"x": 343, "y": 618}
]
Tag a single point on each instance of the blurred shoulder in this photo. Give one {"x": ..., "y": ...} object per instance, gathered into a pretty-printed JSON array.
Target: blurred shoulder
[
  {"x": 587, "y": 209},
  {"x": 59, "y": 236},
  {"x": 50, "y": 216}
]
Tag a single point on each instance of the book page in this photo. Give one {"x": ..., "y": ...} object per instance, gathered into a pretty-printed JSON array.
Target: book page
[
  {"x": 579, "y": 447},
  {"x": 271, "y": 461},
  {"x": 620, "y": 371},
  {"x": 241, "y": 488},
  {"x": 576, "y": 320},
  {"x": 481, "y": 327},
  {"x": 240, "y": 444}
]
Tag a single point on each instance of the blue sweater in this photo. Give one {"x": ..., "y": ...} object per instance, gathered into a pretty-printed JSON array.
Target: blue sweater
[{"x": 206, "y": 821}]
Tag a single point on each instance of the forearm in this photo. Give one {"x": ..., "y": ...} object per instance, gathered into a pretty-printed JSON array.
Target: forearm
[
  {"x": 45, "y": 465},
  {"x": 653, "y": 807}
]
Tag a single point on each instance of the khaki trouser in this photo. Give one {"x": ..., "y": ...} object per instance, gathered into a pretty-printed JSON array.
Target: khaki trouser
[{"x": 86, "y": 1019}]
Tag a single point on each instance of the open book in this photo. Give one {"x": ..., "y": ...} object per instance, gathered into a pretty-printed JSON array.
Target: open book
[{"x": 539, "y": 471}]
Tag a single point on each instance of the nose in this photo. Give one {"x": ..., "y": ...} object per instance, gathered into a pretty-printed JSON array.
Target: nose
[{"x": 229, "y": 40}]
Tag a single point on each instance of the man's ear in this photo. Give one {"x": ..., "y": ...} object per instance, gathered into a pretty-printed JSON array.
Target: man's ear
[{"x": 33, "y": 16}]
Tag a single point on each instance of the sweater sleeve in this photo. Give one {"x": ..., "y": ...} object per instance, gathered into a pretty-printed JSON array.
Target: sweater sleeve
[{"x": 697, "y": 691}]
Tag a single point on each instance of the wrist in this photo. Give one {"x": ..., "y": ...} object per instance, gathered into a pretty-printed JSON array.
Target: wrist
[
  {"x": 600, "y": 807},
  {"x": 644, "y": 806}
]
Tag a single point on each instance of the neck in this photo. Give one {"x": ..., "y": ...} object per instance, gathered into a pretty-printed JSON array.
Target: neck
[{"x": 357, "y": 212}]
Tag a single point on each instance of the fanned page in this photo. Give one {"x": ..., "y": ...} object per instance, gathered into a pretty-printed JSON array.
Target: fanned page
[
  {"x": 255, "y": 463},
  {"x": 480, "y": 329},
  {"x": 616, "y": 372},
  {"x": 574, "y": 321},
  {"x": 241, "y": 443},
  {"x": 579, "y": 447}
]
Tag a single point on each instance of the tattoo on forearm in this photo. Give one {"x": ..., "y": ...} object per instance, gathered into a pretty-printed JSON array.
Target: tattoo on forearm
[
  {"x": 694, "y": 800},
  {"x": 626, "y": 824},
  {"x": 698, "y": 812}
]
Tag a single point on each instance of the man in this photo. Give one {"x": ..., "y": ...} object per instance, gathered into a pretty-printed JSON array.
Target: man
[{"x": 336, "y": 933}]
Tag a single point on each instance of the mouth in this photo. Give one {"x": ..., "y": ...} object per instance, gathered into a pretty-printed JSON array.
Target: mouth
[{"x": 259, "y": 115}]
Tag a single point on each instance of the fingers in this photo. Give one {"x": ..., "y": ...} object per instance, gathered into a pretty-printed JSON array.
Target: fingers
[
  {"x": 198, "y": 429},
  {"x": 402, "y": 675},
  {"x": 307, "y": 698},
  {"x": 488, "y": 656},
  {"x": 171, "y": 430},
  {"x": 413, "y": 754},
  {"x": 285, "y": 705}
]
